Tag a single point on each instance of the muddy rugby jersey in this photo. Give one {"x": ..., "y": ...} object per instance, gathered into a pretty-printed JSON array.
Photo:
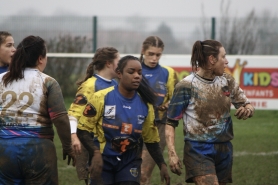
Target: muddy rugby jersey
[
  {"x": 28, "y": 105},
  {"x": 205, "y": 107}
]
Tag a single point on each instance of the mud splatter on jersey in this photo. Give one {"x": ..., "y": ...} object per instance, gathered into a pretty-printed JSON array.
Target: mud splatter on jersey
[
  {"x": 205, "y": 107},
  {"x": 27, "y": 106}
]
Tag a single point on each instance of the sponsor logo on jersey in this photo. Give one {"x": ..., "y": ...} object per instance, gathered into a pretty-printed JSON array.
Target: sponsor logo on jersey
[
  {"x": 148, "y": 75},
  {"x": 126, "y": 107},
  {"x": 89, "y": 111},
  {"x": 123, "y": 143},
  {"x": 126, "y": 128},
  {"x": 134, "y": 172},
  {"x": 110, "y": 126},
  {"x": 80, "y": 99},
  {"x": 225, "y": 90},
  {"x": 140, "y": 119},
  {"x": 160, "y": 85},
  {"x": 110, "y": 111}
]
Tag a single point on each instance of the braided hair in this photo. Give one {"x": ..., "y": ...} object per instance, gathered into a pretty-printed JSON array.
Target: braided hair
[
  {"x": 154, "y": 41},
  {"x": 202, "y": 50}
]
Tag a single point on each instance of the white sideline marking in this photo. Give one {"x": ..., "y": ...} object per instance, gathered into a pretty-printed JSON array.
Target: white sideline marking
[
  {"x": 237, "y": 154},
  {"x": 69, "y": 167}
]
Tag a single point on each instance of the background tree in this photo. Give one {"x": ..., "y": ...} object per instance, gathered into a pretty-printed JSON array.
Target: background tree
[
  {"x": 239, "y": 36},
  {"x": 245, "y": 36},
  {"x": 67, "y": 70},
  {"x": 172, "y": 45},
  {"x": 268, "y": 35}
]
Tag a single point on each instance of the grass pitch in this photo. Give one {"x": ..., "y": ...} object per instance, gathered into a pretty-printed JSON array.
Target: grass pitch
[{"x": 255, "y": 153}]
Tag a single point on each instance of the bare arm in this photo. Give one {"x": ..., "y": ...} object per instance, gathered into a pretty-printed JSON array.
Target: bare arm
[
  {"x": 174, "y": 161},
  {"x": 76, "y": 144}
]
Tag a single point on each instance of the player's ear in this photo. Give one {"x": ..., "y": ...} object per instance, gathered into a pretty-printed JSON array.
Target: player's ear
[
  {"x": 142, "y": 51},
  {"x": 119, "y": 74},
  {"x": 108, "y": 64},
  {"x": 211, "y": 59},
  {"x": 40, "y": 61}
]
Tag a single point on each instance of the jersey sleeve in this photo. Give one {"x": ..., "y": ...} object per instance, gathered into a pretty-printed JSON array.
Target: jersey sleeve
[
  {"x": 179, "y": 101},
  {"x": 55, "y": 100},
  {"x": 92, "y": 113},
  {"x": 238, "y": 98},
  {"x": 85, "y": 90},
  {"x": 172, "y": 81},
  {"x": 149, "y": 131}
]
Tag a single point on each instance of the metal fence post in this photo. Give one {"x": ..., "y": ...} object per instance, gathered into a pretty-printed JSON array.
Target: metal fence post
[
  {"x": 213, "y": 28},
  {"x": 94, "y": 34}
]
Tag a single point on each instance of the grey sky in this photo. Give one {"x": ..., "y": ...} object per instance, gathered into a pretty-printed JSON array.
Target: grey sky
[{"x": 153, "y": 8}]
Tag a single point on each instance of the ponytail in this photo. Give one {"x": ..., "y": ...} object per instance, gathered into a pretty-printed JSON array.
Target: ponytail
[{"x": 202, "y": 50}]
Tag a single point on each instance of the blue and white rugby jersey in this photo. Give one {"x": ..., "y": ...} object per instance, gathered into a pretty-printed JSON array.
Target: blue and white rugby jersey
[
  {"x": 162, "y": 79},
  {"x": 117, "y": 122}
]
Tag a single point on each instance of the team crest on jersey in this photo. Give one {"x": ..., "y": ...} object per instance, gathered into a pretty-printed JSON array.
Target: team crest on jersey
[
  {"x": 89, "y": 111},
  {"x": 140, "y": 119},
  {"x": 80, "y": 99},
  {"x": 225, "y": 90},
  {"x": 134, "y": 172},
  {"x": 110, "y": 111}
]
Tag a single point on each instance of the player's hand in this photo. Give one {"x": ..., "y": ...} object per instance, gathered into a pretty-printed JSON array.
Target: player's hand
[
  {"x": 243, "y": 113},
  {"x": 95, "y": 168},
  {"x": 250, "y": 109},
  {"x": 174, "y": 163},
  {"x": 75, "y": 144},
  {"x": 164, "y": 174},
  {"x": 163, "y": 107},
  {"x": 70, "y": 155}
]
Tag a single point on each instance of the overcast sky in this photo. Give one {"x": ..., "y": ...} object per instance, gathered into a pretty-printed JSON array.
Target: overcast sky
[{"x": 152, "y": 8}]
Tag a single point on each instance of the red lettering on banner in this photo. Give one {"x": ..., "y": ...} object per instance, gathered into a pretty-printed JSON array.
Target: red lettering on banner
[
  {"x": 264, "y": 104},
  {"x": 259, "y": 104}
]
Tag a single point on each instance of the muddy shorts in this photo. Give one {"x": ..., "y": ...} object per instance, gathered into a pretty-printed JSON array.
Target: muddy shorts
[
  {"x": 126, "y": 167},
  {"x": 208, "y": 158},
  {"x": 28, "y": 161}
]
